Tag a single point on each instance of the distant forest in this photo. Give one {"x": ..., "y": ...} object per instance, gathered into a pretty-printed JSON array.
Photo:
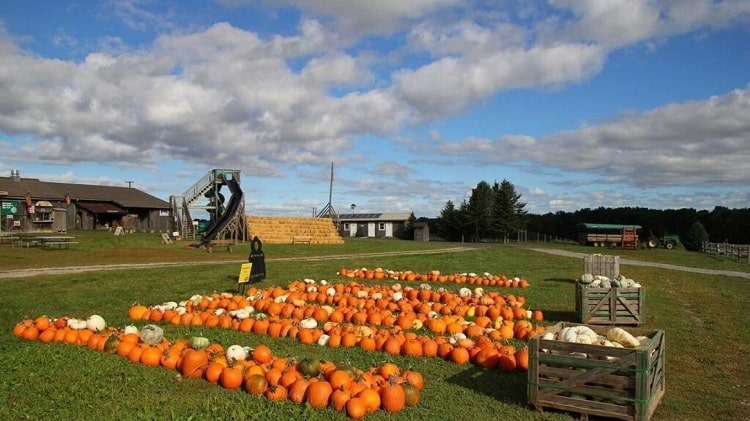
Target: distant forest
[{"x": 721, "y": 224}]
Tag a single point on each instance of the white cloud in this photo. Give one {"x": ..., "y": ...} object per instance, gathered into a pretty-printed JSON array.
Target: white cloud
[
  {"x": 692, "y": 143},
  {"x": 450, "y": 84}
]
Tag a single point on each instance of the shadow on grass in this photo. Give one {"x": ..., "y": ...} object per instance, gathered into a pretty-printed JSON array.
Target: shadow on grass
[
  {"x": 508, "y": 387},
  {"x": 561, "y": 280},
  {"x": 561, "y": 316}
]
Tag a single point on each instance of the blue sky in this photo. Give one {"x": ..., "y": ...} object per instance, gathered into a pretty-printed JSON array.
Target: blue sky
[{"x": 578, "y": 103}]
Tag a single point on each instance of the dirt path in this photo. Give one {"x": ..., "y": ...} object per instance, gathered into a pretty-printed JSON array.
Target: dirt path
[
  {"x": 25, "y": 273},
  {"x": 66, "y": 270},
  {"x": 630, "y": 262}
]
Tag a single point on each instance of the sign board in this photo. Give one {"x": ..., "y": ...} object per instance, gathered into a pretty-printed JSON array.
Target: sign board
[
  {"x": 119, "y": 231},
  {"x": 9, "y": 207},
  {"x": 245, "y": 270}
]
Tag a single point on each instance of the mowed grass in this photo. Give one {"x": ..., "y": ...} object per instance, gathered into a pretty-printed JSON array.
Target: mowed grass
[{"x": 704, "y": 317}]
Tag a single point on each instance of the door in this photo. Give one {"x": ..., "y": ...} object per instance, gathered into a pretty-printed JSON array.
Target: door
[
  {"x": 389, "y": 229},
  {"x": 370, "y": 229}
]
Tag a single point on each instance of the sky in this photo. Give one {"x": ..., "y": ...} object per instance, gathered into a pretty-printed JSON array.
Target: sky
[{"x": 577, "y": 103}]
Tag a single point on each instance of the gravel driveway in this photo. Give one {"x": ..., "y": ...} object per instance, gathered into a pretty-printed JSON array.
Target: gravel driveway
[
  {"x": 630, "y": 262},
  {"x": 25, "y": 273}
]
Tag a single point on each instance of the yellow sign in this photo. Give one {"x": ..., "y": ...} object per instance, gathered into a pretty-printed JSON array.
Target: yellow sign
[{"x": 245, "y": 273}]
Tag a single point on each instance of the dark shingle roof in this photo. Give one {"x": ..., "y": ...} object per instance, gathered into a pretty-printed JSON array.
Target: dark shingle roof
[{"x": 126, "y": 197}]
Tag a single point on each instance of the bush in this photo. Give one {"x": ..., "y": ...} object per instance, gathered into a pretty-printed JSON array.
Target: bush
[{"x": 695, "y": 237}]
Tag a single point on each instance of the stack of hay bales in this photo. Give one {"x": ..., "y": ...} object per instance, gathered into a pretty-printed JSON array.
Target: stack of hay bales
[{"x": 283, "y": 229}]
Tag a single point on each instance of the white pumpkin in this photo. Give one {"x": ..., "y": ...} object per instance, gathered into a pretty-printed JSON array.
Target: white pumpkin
[
  {"x": 130, "y": 329},
  {"x": 96, "y": 323},
  {"x": 152, "y": 334},
  {"x": 236, "y": 353},
  {"x": 578, "y": 334},
  {"x": 323, "y": 340},
  {"x": 308, "y": 323},
  {"x": 77, "y": 324}
]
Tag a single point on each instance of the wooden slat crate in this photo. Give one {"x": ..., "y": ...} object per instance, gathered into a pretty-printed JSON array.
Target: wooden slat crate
[
  {"x": 620, "y": 383},
  {"x": 610, "y": 306},
  {"x": 598, "y": 264}
]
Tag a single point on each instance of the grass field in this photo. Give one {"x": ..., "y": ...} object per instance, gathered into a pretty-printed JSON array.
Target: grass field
[{"x": 704, "y": 318}]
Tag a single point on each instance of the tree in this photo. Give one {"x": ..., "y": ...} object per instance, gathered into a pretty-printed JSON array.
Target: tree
[
  {"x": 480, "y": 210},
  {"x": 695, "y": 237},
  {"x": 508, "y": 212},
  {"x": 408, "y": 233},
  {"x": 450, "y": 225}
]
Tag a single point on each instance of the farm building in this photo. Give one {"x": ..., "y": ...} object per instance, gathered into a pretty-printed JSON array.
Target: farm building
[
  {"x": 32, "y": 205},
  {"x": 373, "y": 224}
]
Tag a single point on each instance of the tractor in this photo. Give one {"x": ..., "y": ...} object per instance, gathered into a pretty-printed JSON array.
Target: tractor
[{"x": 667, "y": 241}]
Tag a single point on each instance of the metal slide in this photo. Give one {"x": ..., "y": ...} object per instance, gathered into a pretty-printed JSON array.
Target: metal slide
[{"x": 233, "y": 206}]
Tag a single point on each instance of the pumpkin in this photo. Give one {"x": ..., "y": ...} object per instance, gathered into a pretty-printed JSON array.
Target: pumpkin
[
  {"x": 355, "y": 408},
  {"x": 309, "y": 367},
  {"x": 129, "y": 329},
  {"x": 256, "y": 384},
  {"x": 199, "y": 342},
  {"x": 77, "y": 324},
  {"x": 392, "y": 397},
  {"x": 319, "y": 394},
  {"x": 96, "y": 323},
  {"x": 231, "y": 378},
  {"x": 411, "y": 394},
  {"x": 276, "y": 393},
  {"x": 151, "y": 334},
  {"x": 262, "y": 354},
  {"x": 236, "y": 353},
  {"x": 193, "y": 363},
  {"x": 586, "y": 278},
  {"x": 110, "y": 345},
  {"x": 578, "y": 334}
]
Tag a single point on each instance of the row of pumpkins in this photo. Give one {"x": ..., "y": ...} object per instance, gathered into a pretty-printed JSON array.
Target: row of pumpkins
[{"x": 257, "y": 371}]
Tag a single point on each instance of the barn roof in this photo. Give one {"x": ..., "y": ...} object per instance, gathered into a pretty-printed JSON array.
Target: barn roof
[
  {"x": 374, "y": 216},
  {"x": 127, "y": 197}
]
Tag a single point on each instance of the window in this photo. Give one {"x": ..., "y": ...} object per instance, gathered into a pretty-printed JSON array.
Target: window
[
  {"x": 346, "y": 226},
  {"x": 381, "y": 226}
]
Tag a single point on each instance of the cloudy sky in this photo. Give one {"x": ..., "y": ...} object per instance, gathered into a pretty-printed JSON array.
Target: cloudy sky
[{"x": 578, "y": 103}]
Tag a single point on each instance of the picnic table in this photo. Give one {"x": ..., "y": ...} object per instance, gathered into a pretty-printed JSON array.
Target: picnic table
[
  {"x": 50, "y": 241},
  {"x": 8, "y": 238}
]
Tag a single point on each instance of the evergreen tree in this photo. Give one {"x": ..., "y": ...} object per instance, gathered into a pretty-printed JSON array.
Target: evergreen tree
[
  {"x": 695, "y": 237},
  {"x": 509, "y": 214},
  {"x": 480, "y": 210},
  {"x": 450, "y": 224}
]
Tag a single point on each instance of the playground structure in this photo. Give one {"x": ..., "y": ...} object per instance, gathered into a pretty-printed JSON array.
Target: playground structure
[{"x": 227, "y": 222}]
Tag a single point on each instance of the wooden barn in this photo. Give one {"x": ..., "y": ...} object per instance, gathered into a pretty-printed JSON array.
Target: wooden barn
[{"x": 32, "y": 205}]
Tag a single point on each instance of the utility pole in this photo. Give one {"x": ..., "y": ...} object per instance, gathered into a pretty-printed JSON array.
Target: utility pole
[{"x": 130, "y": 183}]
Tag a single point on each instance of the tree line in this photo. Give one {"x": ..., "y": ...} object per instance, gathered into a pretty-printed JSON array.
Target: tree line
[{"x": 495, "y": 213}]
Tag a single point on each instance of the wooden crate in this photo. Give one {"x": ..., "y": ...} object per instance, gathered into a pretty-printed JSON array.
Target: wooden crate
[
  {"x": 610, "y": 306},
  {"x": 619, "y": 383},
  {"x": 598, "y": 264}
]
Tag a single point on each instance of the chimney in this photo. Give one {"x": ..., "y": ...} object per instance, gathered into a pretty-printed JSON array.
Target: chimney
[{"x": 15, "y": 175}]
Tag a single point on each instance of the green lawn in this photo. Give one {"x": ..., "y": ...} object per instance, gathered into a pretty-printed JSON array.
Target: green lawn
[{"x": 704, "y": 319}]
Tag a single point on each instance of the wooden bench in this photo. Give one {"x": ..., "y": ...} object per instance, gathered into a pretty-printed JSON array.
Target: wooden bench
[
  {"x": 301, "y": 240},
  {"x": 59, "y": 244},
  {"x": 220, "y": 243}
]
